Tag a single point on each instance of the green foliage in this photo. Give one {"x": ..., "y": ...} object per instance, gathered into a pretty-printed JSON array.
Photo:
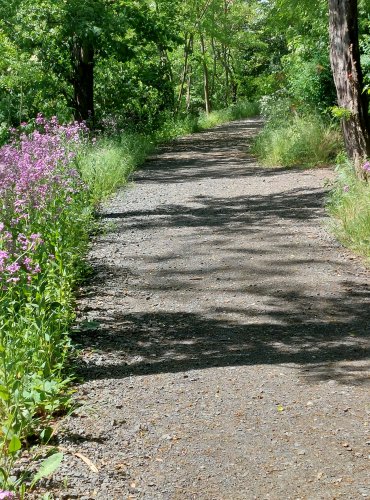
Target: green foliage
[
  {"x": 243, "y": 109},
  {"x": 340, "y": 113},
  {"x": 43, "y": 239},
  {"x": 107, "y": 164},
  {"x": 47, "y": 467},
  {"x": 350, "y": 208},
  {"x": 298, "y": 141}
]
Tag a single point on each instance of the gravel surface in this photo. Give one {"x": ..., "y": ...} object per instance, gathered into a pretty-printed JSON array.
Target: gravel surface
[{"x": 225, "y": 338}]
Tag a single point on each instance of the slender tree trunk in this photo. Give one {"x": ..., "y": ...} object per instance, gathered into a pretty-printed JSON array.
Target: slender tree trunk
[
  {"x": 214, "y": 72},
  {"x": 184, "y": 71},
  {"x": 188, "y": 83},
  {"x": 83, "y": 81},
  {"x": 226, "y": 66},
  {"x": 205, "y": 76},
  {"x": 345, "y": 62}
]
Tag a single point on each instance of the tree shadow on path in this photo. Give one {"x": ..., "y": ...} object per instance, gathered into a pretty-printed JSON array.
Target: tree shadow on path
[{"x": 272, "y": 314}]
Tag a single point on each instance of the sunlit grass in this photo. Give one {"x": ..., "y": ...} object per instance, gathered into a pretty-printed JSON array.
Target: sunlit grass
[
  {"x": 243, "y": 109},
  {"x": 106, "y": 165},
  {"x": 349, "y": 205},
  {"x": 298, "y": 141}
]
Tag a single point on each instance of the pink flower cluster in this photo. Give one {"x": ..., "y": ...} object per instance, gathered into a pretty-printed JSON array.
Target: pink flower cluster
[
  {"x": 6, "y": 495},
  {"x": 366, "y": 166},
  {"x": 18, "y": 260},
  {"x": 37, "y": 182},
  {"x": 32, "y": 166}
]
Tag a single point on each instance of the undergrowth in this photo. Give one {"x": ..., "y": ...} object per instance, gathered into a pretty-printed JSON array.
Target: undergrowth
[
  {"x": 350, "y": 208},
  {"x": 295, "y": 137}
]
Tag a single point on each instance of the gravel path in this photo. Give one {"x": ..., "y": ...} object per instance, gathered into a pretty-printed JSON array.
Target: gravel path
[{"x": 225, "y": 342}]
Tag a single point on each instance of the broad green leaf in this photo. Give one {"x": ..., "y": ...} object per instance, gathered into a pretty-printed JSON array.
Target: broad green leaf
[
  {"x": 14, "y": 444},
  {"x": 47, "y": 467},
  {"x": 4, "y": 393}
]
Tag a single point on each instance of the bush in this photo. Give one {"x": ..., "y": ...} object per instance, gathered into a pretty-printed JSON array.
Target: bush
[{"x": 349, "y": 205}]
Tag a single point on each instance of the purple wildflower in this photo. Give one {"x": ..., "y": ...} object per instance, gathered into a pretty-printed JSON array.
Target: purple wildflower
[{"x": 4, "y": 495}]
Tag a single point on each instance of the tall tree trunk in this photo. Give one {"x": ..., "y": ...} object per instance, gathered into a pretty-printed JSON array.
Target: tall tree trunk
[
  {"x": 187, "y": 46},
  {"x": 224, "y": 54},
  {"x": 345, "y": 63},
  {"x": 188, "y": 83},
  {"x": 226, "y": 66},
  {"x": 83, "y": 81},
  {"x": 214, "y": 72},
  {"x": 205, "y": 76}
]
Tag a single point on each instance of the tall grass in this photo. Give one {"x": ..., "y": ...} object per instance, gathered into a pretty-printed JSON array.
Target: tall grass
[
  {"x": 349, "y": 205},
  {"x": 298, "y": 141},
  {"x": 106, "y": 164},
  {"x": 243, "y": 109}
]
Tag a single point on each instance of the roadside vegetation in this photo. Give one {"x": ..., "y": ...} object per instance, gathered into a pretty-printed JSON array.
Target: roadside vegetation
[{"x": 349, "y": 205}]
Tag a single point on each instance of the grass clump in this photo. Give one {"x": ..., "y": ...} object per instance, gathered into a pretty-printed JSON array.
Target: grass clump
[
  {"x": 106, "y": 163},
  {"x": 298, "y": 141},
  {"x": 295, "y": 137},
  {"x": 350, "y": 208}
]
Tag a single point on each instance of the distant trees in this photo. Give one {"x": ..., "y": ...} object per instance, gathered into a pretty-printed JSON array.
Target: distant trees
[{"x": 68, "y": 40}]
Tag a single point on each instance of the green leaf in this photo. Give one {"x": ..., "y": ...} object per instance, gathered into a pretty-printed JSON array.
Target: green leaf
[
  {"x": 48, "y": 466},
  {"x": 4, "y": 393},
  {"x": 46, "y": 434},
  {"x": 14, "y": 444}
]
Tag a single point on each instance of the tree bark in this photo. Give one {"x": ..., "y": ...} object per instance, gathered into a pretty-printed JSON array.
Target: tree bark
[
  {"x": 348, "y": 78},
  {"x": 187, "y": 47},
  {"x": 188, "y": 83},
  {"x": 83, "y": 81},
  {"x": 205, "y": 76}
]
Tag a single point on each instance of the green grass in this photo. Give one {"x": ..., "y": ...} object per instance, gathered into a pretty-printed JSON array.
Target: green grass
[
  {"x": 349, "y": 205},
  {"x": 107, "y": 164},
  {"x": 298, "y": 141},
  {"x": 243, "y": 109}
]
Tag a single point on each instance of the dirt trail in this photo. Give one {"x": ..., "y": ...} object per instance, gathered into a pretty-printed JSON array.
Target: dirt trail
[{"x": 227, "y": 354}]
